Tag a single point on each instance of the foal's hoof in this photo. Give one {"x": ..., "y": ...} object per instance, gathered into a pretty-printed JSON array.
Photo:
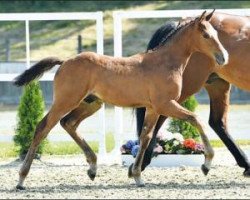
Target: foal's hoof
[
  {"x": 20, "y": 187},
  {"x": 139, "y": 182},
  {"x": 247, "y": 173},
  {"x": 130, "y": 174},
  {"x": 204, "y": 169},
  {"x": 91, "y": 174}
]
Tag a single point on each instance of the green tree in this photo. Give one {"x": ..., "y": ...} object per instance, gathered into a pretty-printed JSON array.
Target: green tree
[
  {"x": 30, "y": 112},
  {"x": 183, "y": 127}
]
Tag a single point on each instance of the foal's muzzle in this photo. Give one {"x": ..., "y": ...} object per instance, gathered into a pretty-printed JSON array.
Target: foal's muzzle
[{"x": 220, "y": 58}]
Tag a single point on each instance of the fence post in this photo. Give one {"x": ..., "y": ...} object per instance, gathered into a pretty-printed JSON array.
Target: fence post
[
  {"x": 118, "y": 110},
  {"x": 99, "y": 46},
  {"x": 79, "y": 44}
]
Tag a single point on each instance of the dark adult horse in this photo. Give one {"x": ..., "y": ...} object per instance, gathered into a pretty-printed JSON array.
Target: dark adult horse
[{"x": 234, "y": 33}]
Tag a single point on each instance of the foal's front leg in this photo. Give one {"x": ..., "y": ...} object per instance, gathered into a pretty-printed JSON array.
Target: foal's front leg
[
  {"x": 174, "y": 109},
  {"x": 145, "y": 137}
]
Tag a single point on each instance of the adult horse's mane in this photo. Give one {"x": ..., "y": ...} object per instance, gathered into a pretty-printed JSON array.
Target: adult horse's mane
[
  {"x": 166, "y": 33},
  {"x": 161, "y": 32},
  {"x": 169, "y": 36}
]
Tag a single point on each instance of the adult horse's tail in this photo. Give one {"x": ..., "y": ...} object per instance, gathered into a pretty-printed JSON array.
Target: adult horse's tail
[
  {"x": 37, "y": 70},
  {"x": 156, "y": 39}
]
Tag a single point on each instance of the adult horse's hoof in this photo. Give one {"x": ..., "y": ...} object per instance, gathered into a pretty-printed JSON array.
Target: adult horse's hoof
[
  {"x": 204, "y": 169},
  {"x": 20, "y": 187},
  {"x": 130, "y": 174},
  {"x": 91, "y": 174},
  {"x": 247, "y": 173}
]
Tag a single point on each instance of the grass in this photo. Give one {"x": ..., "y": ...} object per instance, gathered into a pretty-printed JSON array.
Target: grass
[
  {"x": 68, "y": 148},
  {"x": 218, "y": 143},
  {"x": 232, "y": 107},
  {"x": 50, "y": 38},
  {"x": 7, "y": 149}
]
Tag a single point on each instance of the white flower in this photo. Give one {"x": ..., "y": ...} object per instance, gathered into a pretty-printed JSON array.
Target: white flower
[
  {"x": 176, "y": 143},
  {"x": 158, "y": 149},
  {"x": 166, "y": 136},
  {"x": 178, "y": 137}
]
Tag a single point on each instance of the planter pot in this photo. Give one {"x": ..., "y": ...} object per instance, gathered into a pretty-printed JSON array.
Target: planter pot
[{"x": 169, "y": 160}]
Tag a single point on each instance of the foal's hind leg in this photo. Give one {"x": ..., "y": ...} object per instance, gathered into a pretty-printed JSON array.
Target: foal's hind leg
[
  {"x": 145, "y": 138},
  {"x": 174, "y": 109},
  {"x": 70, "y": 123},
  {"x": 42, "y": 130}
]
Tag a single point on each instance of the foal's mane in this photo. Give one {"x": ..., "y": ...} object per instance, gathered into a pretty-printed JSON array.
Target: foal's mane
[{"x": 170, "y": 35}]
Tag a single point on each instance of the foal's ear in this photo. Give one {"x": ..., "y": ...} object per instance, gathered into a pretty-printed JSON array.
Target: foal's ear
[
  {"x": 208, "y": 17},
  {"x": 202, "y": 17}
]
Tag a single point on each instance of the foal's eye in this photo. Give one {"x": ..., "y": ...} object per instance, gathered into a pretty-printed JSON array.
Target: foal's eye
[{"x": 205, "y": 35}]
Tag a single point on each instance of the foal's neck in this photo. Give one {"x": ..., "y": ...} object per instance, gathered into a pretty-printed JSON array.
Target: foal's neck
[{"x": 178, "y": 50}]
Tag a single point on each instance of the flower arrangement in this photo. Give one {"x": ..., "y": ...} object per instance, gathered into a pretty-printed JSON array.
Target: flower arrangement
[
  {"x": 130, "y": 147},
  {"x": 167, "y": 143}
]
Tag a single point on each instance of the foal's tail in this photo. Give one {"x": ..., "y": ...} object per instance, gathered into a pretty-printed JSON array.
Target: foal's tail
[{"x": 37, "y": 70}]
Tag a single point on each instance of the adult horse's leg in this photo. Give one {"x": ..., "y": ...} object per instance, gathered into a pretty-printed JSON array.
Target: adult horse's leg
[
  {"x": 149, "y": 151},
  {"x": 140, "y": 114},
  {"x": 219, "y": 93},
  {"x": 43, "y": 128},
  {"x": 145, "y": 137},
  {"x": 174, "y": 109},
  {"x": 70, "y": 123}
]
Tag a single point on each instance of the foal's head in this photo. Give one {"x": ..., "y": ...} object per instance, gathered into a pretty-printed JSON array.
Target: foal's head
[{"x": 206, "y": 39}]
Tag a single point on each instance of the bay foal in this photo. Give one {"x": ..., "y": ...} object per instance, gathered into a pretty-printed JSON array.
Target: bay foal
[
  {"x": 234, "y": 34},
  {"x": 152, "y": 80}
]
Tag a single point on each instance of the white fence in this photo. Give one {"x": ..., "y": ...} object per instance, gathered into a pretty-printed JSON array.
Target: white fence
[{"x": 27, "y": 17}]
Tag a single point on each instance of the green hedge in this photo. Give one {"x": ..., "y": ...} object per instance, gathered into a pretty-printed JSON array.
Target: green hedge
[
  {"x": 183, "y": 127},
  {"x": 30, "y": 112}
]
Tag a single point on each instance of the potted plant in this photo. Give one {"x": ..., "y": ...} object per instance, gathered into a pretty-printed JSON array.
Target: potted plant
[{"x": 171, "y": 150}]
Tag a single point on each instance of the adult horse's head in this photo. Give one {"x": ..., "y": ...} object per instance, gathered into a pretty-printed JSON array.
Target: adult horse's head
[{"x": 207, "y": 39}]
